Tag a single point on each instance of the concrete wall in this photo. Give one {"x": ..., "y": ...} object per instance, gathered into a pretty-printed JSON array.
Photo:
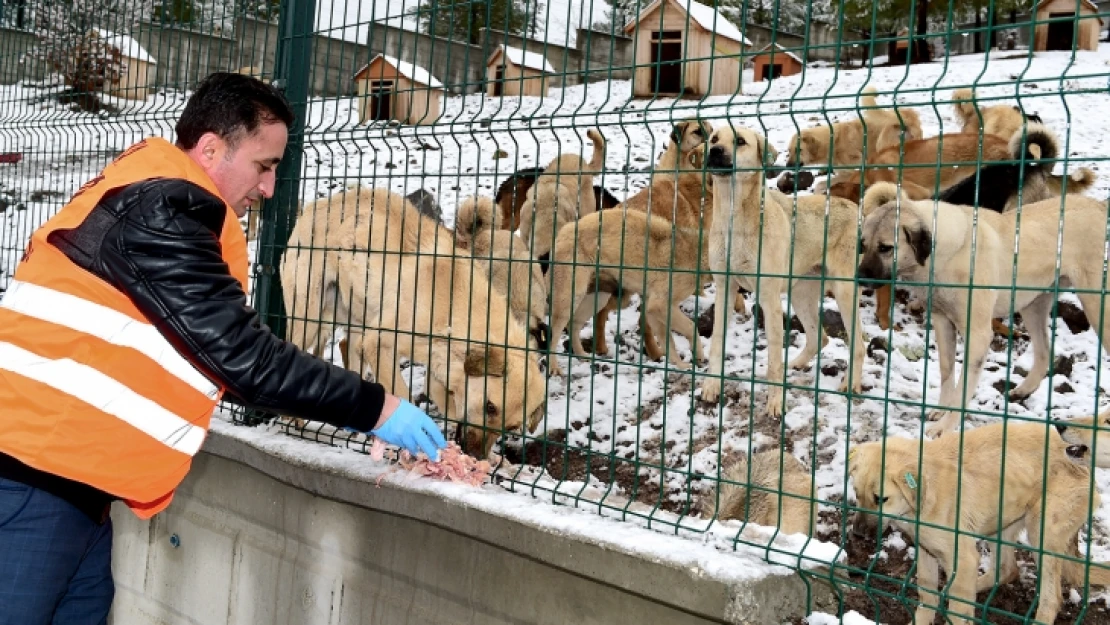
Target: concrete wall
[
  {"x": 13, "y": 45},
  {"x": 185, "y": 56},
  {"x": 251, "y": 538},
  {"x": 603, "y": 53}
]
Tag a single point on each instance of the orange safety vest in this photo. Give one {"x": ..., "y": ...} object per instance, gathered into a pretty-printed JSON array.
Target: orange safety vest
[{"x": 89, "y": 389}]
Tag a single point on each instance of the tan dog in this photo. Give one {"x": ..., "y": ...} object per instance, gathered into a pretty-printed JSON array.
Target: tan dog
[
  {"x": 505, "y": 260},
  {"x": 1091, "y": 432},
  {"x": 618, "y": 251},
  {"x": 783, "y": 496},
  {"x": 909, "y": 239},
  {"x": 402, "y": 301},
  {"x": 759, "y": 229},
  {"x": 917, "y": 493},
  {"x": 1000, "y": 120},
  {"x": 563, "y": 193},
  {"x": 1001, "y": 186},
  {"x": 842, "y": 144},
  {"x": 923, "y": 166},
  {"x": 679, "y": 192}
]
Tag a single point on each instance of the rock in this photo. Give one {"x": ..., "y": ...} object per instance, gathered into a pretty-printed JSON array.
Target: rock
[
  {"x": 789, "y": 183},
  {"x": 1073, "y": 316},
  {"x": 705, "y": 322},
  {"x": 877, "y": 345},
  {"x": 834, "y": 368},
  {"x": 834, "y": 325},
  {"x": 1063, "y": 365},
  {"x": 1064, "y": 387},
  {"x": 500, "y": 154}
]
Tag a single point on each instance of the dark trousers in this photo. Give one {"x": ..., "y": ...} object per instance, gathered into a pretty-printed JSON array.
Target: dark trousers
[{"x": 55, "y": 562}]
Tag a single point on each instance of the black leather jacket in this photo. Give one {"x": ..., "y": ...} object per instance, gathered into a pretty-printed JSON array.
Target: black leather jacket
[{"x": 158, "y": 242}]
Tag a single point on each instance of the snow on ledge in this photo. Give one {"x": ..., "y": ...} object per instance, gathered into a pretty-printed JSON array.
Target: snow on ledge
[{"x": 705, "y": 551}]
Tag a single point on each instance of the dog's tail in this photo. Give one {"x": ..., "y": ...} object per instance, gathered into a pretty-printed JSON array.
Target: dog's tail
[
  {"x": 1075, "y": 573},
  {"x": 965, "y": 111},
  {"x": 475, "y": 214},
  {"x": 597, "y": 161},
  {"x": 879, "y": 194},
  {"x": 1078, "y": 181},
  {"x": 867, "y": 97},
  {"x": 1037, "y": 142}
]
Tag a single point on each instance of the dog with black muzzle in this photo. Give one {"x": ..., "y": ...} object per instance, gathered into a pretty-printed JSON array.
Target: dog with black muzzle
[
  {"x": 756, "y": 229},
  {"x": 970, "y": 248}
]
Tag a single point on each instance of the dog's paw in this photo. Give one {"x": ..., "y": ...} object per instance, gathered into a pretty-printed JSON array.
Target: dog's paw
[
  {"x": 711, "y": 390},
  {"x": 774, "y": 402},
  {"x": 941, "y": 421}
]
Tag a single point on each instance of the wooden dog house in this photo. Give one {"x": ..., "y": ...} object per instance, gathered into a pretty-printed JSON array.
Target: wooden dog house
[
  {"x": 138, "y": 77},
  {"x": 684, "y": 47},
  {"x": 390, "y": 89},
  {"x": 782, "y": 63},
  {"x": 1079, "y": 30},
  {"x": 511, "y": 71}
]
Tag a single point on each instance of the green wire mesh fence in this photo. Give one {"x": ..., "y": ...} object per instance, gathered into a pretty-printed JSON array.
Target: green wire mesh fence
[{"x": 521, "y": 216}]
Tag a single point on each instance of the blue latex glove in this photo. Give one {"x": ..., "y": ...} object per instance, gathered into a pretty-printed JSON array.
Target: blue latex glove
[{"x": 410, "y": 428}]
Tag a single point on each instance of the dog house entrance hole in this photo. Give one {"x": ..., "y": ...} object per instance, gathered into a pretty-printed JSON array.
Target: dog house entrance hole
[
  {"x": 499, "y": 81},
  {"x": 770, "y": 72},
  {"x": 666, "y": 61},
  {"x": 381, "y": 99},
  {"x": 1061, "y": 34}
]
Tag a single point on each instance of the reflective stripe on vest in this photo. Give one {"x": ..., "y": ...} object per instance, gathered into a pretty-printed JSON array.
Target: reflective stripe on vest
[{"x": 89, "y": 388}]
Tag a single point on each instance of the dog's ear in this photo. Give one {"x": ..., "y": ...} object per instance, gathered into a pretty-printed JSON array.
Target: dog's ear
[
  {"x": 678, "y": 131},
  {"x": 769, "y": 152},
  {"x": 482, "y": 361},
  {"x": 921, "y": 240},
  {"x": 909, "y": 483}
]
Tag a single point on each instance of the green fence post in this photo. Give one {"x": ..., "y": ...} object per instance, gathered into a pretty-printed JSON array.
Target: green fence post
[{"x": 292, "y": 74}]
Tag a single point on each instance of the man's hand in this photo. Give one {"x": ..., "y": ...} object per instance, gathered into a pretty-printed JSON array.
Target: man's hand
[{"x": 405, "y": 425}]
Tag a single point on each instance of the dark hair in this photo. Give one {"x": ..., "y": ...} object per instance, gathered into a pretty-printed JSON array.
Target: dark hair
[{"x": 230, "y": 105}]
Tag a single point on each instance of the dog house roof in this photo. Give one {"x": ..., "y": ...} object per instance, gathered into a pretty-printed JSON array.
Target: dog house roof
[
  {"x": 531, "y": 60},
  {"x": 413, "y": 72},
  {"x": 706, "y": 16},
  {"x": 126, "y": 45}
]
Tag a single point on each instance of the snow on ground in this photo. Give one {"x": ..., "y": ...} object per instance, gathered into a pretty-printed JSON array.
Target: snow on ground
[{"x": 618, "y": 409}]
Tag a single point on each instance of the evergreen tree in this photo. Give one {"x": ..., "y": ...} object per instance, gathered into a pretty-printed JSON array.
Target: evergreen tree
[{"x": 465, "y": 20}]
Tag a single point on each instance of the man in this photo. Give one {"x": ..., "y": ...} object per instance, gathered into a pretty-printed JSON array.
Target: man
[{"x": 124, "y": 324}]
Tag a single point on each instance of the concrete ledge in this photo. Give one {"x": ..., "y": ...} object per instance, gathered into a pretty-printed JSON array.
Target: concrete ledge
[{"x": 270, "y": 529}]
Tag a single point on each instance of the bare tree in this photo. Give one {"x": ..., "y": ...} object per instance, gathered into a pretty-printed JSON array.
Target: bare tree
[{"x": 74, "y": 41}]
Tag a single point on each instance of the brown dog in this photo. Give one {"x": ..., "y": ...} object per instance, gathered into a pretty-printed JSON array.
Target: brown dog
[
  {"x": 922, "y": 166},
  {"x": 783, "y": 496},
  {"x": 679, "y": 192},
  {"x": 504, "y": 259},
  {"x": 1000, "y": 120},
  {"x": 842, "y": 144},
  {"x": 563, "y": 193},
  {"x": 617, "y": 251},
  {"x": 401, "y": 300},
  {"x": 1022, "y": 466}
]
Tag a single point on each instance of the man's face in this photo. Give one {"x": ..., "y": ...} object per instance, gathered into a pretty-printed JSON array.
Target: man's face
[{"x": 245, "y": 173}]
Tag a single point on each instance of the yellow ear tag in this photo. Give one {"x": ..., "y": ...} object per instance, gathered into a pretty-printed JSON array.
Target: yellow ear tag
[
  {"x": 910, "y": 481},
  {"x": 852, "y": 453}
]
